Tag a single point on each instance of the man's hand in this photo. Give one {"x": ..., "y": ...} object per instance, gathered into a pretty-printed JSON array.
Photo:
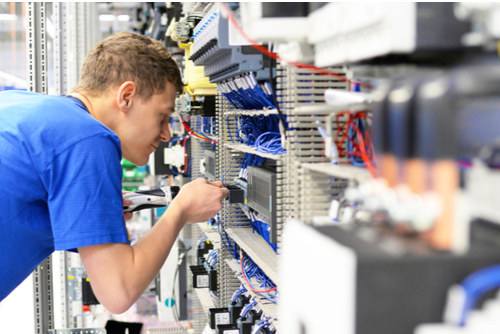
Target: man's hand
[
  {"x": 119, "y": 273},
  {"x": 199, "y": 200},
  {"x": 126, "y": 202}
]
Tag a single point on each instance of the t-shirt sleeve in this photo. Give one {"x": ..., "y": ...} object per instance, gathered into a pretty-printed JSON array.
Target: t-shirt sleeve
[{"x": 84, "y": 194}]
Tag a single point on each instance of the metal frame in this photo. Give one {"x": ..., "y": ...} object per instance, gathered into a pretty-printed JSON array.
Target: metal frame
[
  {"x": 61, "y": 39},
  {"x": 37, "y": 82},
  {"x": 36, "y": 47},
  {"x": 72, "y": 42}
]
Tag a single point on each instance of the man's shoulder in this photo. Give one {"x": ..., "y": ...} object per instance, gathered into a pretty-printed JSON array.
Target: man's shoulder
[{"x": 49, "y": 124}]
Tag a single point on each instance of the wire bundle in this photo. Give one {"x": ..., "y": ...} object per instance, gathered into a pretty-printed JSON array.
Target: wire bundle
[
  {"x": 250, "y": 270},
  {"x": 230, "y": 245},
  {"x": 212, "y": 224},
  {"x": 209, "y": 126},
  {"x": 260, "y": 226},
  {"x": 212, "y": 258},
  {"x": 358, "y": 137},
  {"x": 196, "y": 134},
  {"x": 201, "y": 240},
  {"x": 244, "y": 92},
  {"x": 247, "y": 308},
  {"x": 238, "y": 293},
  {"x": 263, "y": 323},
  {"x": 262, "y": 133},
  {"x": 250, "y": 160}
]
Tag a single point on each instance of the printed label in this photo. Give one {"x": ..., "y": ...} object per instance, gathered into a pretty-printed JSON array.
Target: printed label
[
  {"x": 202, "y": 281},
  {"x": 232, "y": 331},
  {"x": 222, "y": 318}
]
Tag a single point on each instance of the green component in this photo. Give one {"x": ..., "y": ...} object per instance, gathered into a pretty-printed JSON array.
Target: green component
[
  {"x": 132, "y": 173},
  {"x": 130, "y": 188}
]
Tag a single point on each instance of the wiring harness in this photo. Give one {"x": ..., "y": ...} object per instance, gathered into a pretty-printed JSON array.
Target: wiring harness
[
  {"x": 250, "y": 160},
  {"x": 230, "y": 245},
  {"x": 250, "y": 270},
  {"x": 209, "y": 126},
  {"x": 244, "y": 92},
  {"x": 261, "y": 226},
  {"x": 261, "y": 325},
  {"x": 196, "y": 134},
  {"x": 261, "y": 132},
  {"x": 212, "y": 258},
  {"x": 359, "y": 144}
]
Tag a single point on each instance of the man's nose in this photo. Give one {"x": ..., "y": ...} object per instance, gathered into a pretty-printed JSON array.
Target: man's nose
[{"x": 165, "y": 132}]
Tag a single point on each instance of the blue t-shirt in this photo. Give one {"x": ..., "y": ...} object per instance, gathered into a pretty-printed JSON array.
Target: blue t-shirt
[{"x": 60, "y": 182}]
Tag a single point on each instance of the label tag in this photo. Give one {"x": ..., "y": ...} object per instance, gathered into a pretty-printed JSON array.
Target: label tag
[
  {"x": 222, "y": 319},
  {"x": 202, "y": 281}
]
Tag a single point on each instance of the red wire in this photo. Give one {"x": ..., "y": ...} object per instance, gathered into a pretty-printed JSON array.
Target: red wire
[
  {"x": 344, "y": 129},
  {"x": 339, "y": 144},
  {"x": 275, "y": 56},
  {"x": 185, "y": 156},
  {"x": 195, "y": 309},
  {"x": 364, "y": 155},
  {"x": 246, "y": 280},
  {"x": 191, "y": 132}
]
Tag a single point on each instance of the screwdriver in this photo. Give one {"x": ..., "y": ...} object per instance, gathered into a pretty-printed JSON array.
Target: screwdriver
[{"x": 152, "y": 198}]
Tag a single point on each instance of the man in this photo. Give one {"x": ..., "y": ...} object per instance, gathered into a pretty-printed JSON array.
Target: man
[{"x": 61, "y": 176}]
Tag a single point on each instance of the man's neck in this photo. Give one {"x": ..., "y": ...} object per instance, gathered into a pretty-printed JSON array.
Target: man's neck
[{"x": 86, "y": 101}]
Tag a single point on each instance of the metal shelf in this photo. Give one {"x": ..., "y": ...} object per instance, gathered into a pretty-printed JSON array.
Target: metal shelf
[
  {"x": 205, "y": 298},
  {"x": 323, "y": 108},
  {"x": 340, "y": 171},
  {"x": 266, "y": 112},
  {"x": 258, "y": 250},
  {"x": 246, "y": 149},
  {"x": 270, "y": 309},
  {"x": 212, "y": 235}
]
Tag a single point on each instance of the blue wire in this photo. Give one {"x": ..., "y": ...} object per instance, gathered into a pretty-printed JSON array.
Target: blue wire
[
  {"x": 477, "y": 284},
  {"x": 252, "y": 270}
]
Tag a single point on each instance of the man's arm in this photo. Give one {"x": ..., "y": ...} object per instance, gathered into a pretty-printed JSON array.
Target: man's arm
[{"x": 119, "y": 273}]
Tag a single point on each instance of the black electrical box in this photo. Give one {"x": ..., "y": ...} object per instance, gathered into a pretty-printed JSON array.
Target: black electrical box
[
  {"x": 205, "y": 108},
  {"x": 234, "y": 312},
  {"x": 235, "y": 194},
  {"x": 218, "y": 316},
  {"x": 88, "y": 296},
  {"x": 212, "y": 280},
  {"x": 198, "y": 276},
  {"x": 201, "y": 250},
  {"x": 227, "y": 329},
  {"x": 400, "y": 281},
  {"x": 245, "y": 324}
]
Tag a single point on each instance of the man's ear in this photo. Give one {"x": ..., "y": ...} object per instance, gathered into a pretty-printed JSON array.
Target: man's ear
[{"x": 126, "y": 94}]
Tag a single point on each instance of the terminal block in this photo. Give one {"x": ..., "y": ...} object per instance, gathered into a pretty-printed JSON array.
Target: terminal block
[
  {"x": 218, "y": 316},
  {"x": 221, "y": 60}
]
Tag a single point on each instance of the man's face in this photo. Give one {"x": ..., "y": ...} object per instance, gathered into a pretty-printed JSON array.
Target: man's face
[{"x": 147, "y": 124}]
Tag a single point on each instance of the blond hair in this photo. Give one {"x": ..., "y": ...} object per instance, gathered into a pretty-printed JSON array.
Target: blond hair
[{"x": 124, "y": 57}]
